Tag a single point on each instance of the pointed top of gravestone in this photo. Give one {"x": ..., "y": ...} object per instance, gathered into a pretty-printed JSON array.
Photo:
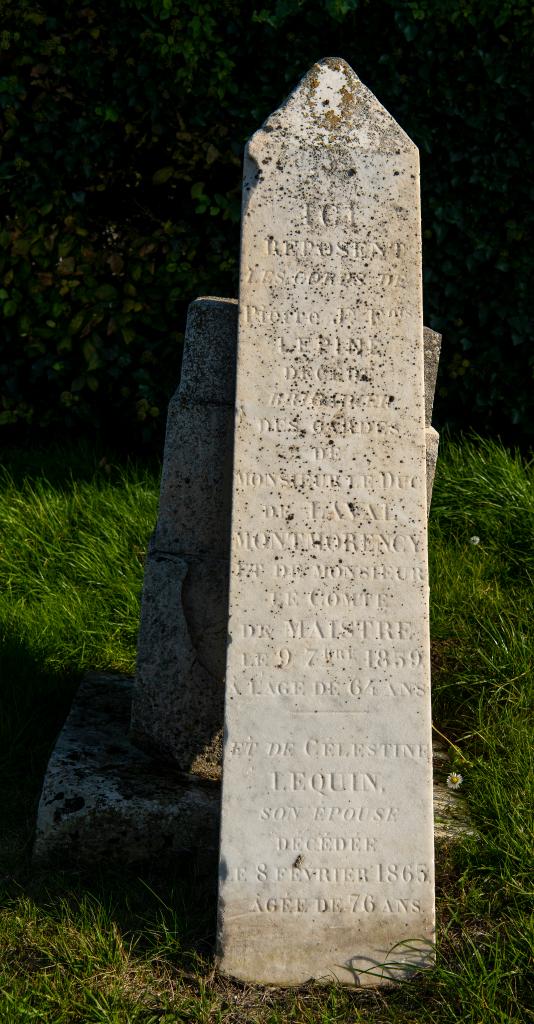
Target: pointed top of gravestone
[{"x": 330, "y": 106}]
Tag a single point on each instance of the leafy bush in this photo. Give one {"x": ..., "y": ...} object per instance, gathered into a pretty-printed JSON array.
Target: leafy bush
[{"x": 123, "y": 128}]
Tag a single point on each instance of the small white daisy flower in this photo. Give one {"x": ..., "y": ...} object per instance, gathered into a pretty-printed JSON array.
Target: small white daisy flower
[
  {"x": 474, "y": 540},
  {"x": 454, "y": 780}
]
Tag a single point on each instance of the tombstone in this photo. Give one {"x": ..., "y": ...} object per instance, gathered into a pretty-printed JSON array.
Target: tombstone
[
  {"x": 326, "y": 860},
  {"x": 177, "y": 705}
]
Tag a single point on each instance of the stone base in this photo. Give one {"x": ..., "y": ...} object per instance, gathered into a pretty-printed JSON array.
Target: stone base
[{"x": 106, "y": 801}]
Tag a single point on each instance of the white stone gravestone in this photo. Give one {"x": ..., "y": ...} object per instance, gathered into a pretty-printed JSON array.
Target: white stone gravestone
[{"x": 326, "y": 864}]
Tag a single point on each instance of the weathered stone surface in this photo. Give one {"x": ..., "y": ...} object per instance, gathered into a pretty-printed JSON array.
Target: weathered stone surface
[
  {"x": 432, "y": 446},
  {"x": 326, "y": 864},
  {"x": 104, "y": 800},
  {"x": 209, "y": 360},
  {"x": 196, "y": 481},
  {"x": 185, "y": 597},
  {"x": 178, "y": 697},
  {"x": 182, "y": 700},
  {"x": 432, "y": 349}
]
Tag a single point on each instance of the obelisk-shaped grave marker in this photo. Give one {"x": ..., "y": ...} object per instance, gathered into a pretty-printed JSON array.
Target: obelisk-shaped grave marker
[{"x": 327, "y": 833}]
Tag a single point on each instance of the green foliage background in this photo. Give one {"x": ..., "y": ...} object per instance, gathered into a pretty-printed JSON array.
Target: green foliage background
[{"x": 123, "y": 127}]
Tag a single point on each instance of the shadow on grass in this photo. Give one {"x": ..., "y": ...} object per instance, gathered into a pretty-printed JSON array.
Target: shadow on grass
[
  {"x": 168, "y": 910},
  {"x": 155, "y": 906},
  {"x": 34, "y": 704},
  {"x": 63, "y": 462}
]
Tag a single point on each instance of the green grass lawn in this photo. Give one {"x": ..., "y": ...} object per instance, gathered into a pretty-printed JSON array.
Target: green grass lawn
[{"x": 131, "y": 948}]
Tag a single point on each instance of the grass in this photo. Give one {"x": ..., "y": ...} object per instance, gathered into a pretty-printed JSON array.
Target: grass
[{"x": 137, "y": 947}]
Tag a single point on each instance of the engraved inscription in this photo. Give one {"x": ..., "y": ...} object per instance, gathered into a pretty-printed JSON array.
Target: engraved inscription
[
  {"x": 353, "y": 249},
  {"x": 358, "y": 903},
  {"x": 351, "y": 543},
  {"x": 326, "y": 782},
  {"x": 325, "y": 345},
  {"x": 325, "y": 842}
]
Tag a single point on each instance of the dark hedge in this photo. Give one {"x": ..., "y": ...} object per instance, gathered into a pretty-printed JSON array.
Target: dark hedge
[{"x": 123, "y": 127}]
